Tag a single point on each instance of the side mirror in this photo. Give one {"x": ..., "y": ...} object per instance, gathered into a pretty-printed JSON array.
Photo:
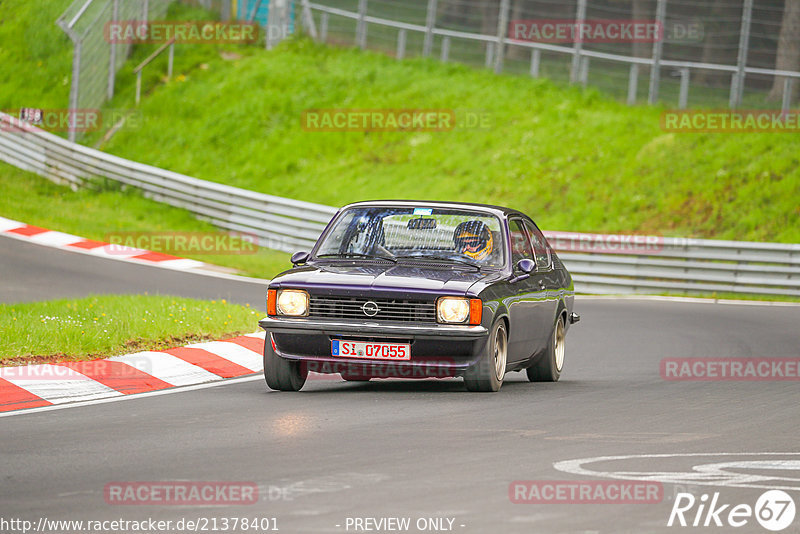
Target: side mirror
[
  {"x": 526, "y": 265},
  {"x": 299, "y": 258}
]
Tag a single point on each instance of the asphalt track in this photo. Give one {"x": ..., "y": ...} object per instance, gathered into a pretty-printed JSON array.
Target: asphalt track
[{"x": 415, "y": 449}]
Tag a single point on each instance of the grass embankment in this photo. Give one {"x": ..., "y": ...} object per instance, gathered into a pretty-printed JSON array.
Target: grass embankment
[
  {"x": 102, "y": 326},
  {"x": 572, "y": 158}
]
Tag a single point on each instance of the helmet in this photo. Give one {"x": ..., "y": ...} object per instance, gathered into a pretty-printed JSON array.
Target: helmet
[{"x": 473, "y": 239}]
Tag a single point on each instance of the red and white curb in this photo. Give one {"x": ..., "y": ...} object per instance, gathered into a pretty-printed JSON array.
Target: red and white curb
[
  {"x": 51, "y": 238},
  {"x": 33, "y": 386}
]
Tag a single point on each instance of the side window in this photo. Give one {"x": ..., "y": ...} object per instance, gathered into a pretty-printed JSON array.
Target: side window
[
  {"x": 520, "y": 246},
  {"x": 540, "y": 249}
]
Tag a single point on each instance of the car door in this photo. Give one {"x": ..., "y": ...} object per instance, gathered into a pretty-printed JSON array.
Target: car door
[
  {"x": 522, "y": 302},
  {"x": 545, "y": 280}
]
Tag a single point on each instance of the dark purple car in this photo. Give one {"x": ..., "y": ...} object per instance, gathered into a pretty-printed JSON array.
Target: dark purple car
[{"x": 417, "y": 290}]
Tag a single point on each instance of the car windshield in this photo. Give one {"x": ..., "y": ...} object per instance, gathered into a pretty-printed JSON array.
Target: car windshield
[{"x": 459, "y": 236}]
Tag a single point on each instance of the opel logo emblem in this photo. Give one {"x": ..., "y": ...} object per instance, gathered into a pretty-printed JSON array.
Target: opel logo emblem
[{"x": 370, "y": 309}]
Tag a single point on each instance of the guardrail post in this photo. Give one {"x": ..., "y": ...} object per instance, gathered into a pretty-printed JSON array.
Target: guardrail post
[
  {"x": 737, "y": 81},
  {"x": 536, "y": 59},
  {"x": 683, "y": 98},
  {"x": 323, "y": 27},
  {"x": 445, "y": 49},
  {"x": 787, "y": 95},
  {"x": 502, "y": 30},
  {"x": 112, "y": 53},
  {"x": 658, "y": 49},
  {"x": 430, "y": 22},
  {"x": 580, "y": 16},
  {"x": 401, "y": 44},
  {"x": 633, "y": 83},
  {"x": 361, "y": 26}
]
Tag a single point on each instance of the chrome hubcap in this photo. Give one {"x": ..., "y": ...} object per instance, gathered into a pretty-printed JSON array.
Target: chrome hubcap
[
  {"x": 559, "y": 344},
  {"x": 500, "y": 353}
]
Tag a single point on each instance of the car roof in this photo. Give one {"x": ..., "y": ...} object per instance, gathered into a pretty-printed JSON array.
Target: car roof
[{"x": 489, "y": 208}]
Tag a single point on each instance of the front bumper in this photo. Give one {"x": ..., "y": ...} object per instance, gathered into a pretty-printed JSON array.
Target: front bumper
[
  {"x": 304, "y": 325},
  {"x": 446, "y": 350}
]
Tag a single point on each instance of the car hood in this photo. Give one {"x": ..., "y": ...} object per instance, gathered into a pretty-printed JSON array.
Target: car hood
[{"x": 384, "y": 278}]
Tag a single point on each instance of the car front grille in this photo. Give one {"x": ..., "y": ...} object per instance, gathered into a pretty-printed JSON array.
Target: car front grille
[{"x": 361, "y": 308}]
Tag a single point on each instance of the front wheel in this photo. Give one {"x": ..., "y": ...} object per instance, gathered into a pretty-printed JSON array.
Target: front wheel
[
  {"x": 548, "y": 368},
  {"x": 488, "y": 373},
  {"x": 281, "y": 374}
]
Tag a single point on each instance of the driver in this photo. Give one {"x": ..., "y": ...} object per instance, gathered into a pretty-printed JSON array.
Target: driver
[{"x": 473, "y": 239}]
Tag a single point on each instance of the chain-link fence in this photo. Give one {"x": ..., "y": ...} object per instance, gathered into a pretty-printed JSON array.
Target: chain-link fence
[
  {"x": 737, "y": 53},
  {"x": 95, "y": 60}
]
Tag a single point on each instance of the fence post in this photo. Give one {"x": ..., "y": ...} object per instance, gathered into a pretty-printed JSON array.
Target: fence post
[
  {"x": 308, "y": 19},
  {"x": 683, "y": 97},
  {"x": 445, "y": 49},
  {"x": 145, "y": 10},
  {"x": 737, "y": 81},
  {"x": 323, "y": 27},
  {"x": 584, "y": 71},
  {"x": 430, "y": 22},
  {"x": 580, "y": 16},
  {"x": 74, "y": 89},
  {"x": 489, "y": 53},
  {"x": 112, "y": 54},
  {"x": 401, "y": 44},
  {"x": 536, "y": 59},
  {"x": 658, "y": 48},
  {"x": 787, "y": 94},
  {"x": 361, "y": 27},
  {"x": 502, "y": 31},
  {"x": 633, "y": 83},
  {"x": 171, "y": 60}
]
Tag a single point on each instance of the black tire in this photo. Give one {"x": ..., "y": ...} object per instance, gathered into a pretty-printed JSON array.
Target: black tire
[
  {"x": 488, "y": 373},
  {"x": 281, "y": 374},
  {"x": 548, "y": 367}
]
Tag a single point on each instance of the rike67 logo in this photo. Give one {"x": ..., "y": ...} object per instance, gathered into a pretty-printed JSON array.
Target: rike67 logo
[{"x": 774, "y": 510}]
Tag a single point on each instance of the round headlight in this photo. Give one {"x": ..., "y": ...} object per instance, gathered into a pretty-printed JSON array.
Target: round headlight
[
  {"x": 453, "y": 310},
  {"x": 292, "y": 302}
]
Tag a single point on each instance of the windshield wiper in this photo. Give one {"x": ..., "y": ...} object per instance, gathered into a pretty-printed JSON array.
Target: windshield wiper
[
  {"x": 357, "y": 255},
  {"x": 440, "y": 258}
]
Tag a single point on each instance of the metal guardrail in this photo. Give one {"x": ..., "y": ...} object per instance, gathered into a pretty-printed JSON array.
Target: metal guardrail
[{"x": 599, "y": 263}]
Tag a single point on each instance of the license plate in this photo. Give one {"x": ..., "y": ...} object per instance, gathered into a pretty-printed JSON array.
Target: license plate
[{"x": 370, "y": 350}]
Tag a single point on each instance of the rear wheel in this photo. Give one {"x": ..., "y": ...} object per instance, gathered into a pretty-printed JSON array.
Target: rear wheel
[
  {"x": 281, "y": 374},
  {"x": 488, "y": 373},
  {"x": 548, "y": 368}
]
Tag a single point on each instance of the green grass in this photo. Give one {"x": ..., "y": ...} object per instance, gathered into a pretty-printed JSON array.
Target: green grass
[
  {"x": 573, "y": 159},
  {"x": 35, "y": 55},
  {"x": 102, "y": 326},
  {"x": 95, "y": 214}
]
